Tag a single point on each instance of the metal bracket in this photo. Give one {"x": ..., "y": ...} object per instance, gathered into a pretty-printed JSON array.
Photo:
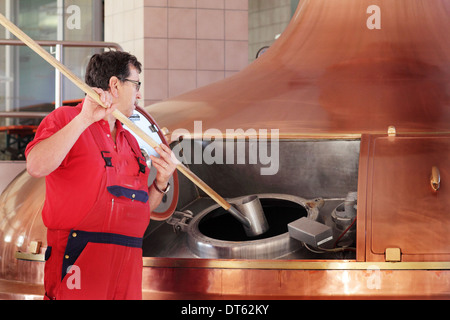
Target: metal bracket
[
  {"x": 392, "y": 132},
  {"x": 393, "y": 255},
  {"x": 180, "y": 220},
  {"x": 153, "y": 128},
  {"x": 33, "y": 254}
]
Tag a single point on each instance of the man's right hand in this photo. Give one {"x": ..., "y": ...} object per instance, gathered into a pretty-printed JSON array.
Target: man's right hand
[{"x": 92, "y": 111}]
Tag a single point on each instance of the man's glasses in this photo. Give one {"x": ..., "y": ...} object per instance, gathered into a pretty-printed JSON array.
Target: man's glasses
[{"x": 137, "y": 83}]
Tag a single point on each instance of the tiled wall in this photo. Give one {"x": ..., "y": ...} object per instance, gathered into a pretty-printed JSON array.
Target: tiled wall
[
  {"x": 183, "y": 44},
  {"x": 267, "y": 19}
]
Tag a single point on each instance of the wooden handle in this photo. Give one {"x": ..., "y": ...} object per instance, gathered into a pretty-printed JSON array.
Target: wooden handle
[
  {"x": 202, "y": 185},
  {"x": 117, "y": 114}
]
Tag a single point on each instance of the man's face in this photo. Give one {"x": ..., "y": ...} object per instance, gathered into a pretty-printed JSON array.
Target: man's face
[{"x": 129, "y": 93}]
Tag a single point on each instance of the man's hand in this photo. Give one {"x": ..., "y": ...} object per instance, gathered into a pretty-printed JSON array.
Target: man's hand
[
  {"x": 165, "y": 164},
  {"x": 92, "y": 111}
]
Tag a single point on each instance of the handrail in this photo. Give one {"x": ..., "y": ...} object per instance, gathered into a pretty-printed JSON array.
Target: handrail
[
  {"x": 27, "y": 114},
  {"x": 80, "y": 44}
]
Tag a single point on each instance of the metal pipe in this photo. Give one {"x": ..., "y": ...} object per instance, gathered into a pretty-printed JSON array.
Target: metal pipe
[
  {"x": 59, "y": 49},
  {"x": 8, "y": 64}
]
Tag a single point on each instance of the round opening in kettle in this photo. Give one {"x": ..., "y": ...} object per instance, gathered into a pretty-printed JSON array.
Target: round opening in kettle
[
  {"x": 214, "y": 233},
  {"x": 220, "y": 225}
]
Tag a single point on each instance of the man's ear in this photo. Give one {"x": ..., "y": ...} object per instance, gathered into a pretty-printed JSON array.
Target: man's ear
[{"x": 113, "y": 86}]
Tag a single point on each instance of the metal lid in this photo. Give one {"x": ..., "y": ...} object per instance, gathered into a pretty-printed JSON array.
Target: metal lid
[{"x": 144, "y": 121}]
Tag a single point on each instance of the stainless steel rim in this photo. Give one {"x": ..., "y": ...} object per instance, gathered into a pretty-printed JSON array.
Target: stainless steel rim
[{"x": 269, "y": 248}]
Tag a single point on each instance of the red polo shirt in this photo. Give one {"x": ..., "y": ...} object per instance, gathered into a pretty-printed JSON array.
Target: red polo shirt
[{"x": 73, "y": 187}]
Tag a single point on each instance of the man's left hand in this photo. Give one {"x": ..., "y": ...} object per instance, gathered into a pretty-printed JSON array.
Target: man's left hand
[{"x": 166, "y": 164}]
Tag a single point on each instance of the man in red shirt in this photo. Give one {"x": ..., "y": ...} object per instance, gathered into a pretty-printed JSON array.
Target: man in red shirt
[{"x": 98, "y": 202}]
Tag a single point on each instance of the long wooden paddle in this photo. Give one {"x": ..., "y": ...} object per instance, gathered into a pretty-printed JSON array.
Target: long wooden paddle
[{"x": 117, "y": 114}]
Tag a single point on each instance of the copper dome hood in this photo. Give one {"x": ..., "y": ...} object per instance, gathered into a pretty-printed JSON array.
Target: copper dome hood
[{"x": 330, "y": 73}]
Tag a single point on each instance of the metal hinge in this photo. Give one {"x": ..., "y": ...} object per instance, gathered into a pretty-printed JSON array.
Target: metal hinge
[{"x": 180, "y": 220}]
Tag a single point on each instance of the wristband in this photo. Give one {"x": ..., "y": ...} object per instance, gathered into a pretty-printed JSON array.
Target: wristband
[{"x": 159, "y": 190}]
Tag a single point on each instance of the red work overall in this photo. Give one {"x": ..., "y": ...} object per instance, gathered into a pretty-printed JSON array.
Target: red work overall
[{"x": 102, "y": 257}]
